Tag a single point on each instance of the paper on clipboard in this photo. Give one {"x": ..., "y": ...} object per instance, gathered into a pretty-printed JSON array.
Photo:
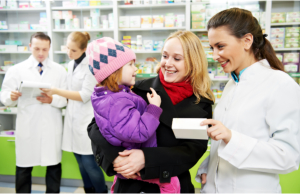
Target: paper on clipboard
[
  {"x": 189, "y": 128},
  {"x": 32, "y": 89}
]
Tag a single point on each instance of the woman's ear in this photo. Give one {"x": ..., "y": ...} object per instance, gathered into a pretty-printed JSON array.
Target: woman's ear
[{"x": 248, "y": 40}]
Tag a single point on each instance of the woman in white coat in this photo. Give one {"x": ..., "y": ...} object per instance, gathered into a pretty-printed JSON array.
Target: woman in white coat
[
  {"x": 255, "y": 130},
  {"x": 79, "y": 112}
]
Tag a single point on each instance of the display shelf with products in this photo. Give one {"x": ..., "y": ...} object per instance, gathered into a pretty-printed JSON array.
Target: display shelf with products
[
  {"x": 152, "y": 14},
  {"x": 105, "y": 7}
]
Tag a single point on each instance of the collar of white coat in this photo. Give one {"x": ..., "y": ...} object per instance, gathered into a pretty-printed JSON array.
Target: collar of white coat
[
  {"x": 254, "y": 69},
  {"x": 34, "y": 62},
  {"x": 84, "y": 62}
]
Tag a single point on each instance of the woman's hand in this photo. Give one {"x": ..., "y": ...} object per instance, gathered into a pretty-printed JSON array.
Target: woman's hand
[
  {"x": 218, "y": 131},
  {"x": 154, "y": 98},
  {"x": 203, "y": 178},
  {"x": 132, "y": 164},
  {"x": 49, "y": 91}
]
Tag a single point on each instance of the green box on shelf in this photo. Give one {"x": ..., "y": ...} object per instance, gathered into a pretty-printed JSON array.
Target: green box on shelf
[
  {"x": 210, "y": 60},
  {"x": 294, "y": 74},
  {"x": 146, "y": 75},
  {"x": 13, "y": 42}
]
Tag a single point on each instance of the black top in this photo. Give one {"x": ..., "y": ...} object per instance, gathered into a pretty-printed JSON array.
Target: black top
[
  {"x": 171, "y": 157},
  {"x": 78, "y": 61}
]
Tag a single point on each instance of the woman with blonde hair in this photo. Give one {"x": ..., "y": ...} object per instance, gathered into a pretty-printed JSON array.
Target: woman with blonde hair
[
  {"x": 184, "y": 87},
  {"x": 79, "y": 112}
]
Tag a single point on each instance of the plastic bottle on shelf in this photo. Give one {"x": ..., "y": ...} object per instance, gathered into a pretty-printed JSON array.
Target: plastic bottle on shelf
[{"x": 139, "y": 42}]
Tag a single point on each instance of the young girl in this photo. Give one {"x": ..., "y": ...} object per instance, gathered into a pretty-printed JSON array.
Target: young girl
[
  {"x": 79, "y": 112},
  {"x": 124, "y": 118}
]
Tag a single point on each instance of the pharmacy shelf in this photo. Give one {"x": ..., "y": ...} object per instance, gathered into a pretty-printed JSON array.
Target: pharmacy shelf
[
  {"x": 21, "y": 31},
  {"x": 287, "y": 49},
  {"x": 220, "y": 79},
  {"x": 8, "y": 136},
  {"x": 104, "y": 7},
  {"x": 198, "y": 30},
  {"x": 146, "y": 75},
  {"x": 60, "y": 52},
  {"x": 148, "y": 29},
  {"x": 12, "y": 112},
  {"x": 286, "y": 24},
  {"x": 137, "y": 52},
  {"x": 84, "y": 30},
  {"x": 15, "y": 52},
  {"x": 23, "y": 9},
  {"x": 167, "y": 5}
]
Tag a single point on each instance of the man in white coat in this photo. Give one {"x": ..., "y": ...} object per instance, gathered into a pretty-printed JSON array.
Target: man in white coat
[{"x": 39, "y": 123}]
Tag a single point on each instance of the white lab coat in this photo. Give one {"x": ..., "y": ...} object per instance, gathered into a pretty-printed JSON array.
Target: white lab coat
[
  {"x": 263, "y": 113},
  {"x": 38, "y": 126},
  {"x": 79, "y": 114}
]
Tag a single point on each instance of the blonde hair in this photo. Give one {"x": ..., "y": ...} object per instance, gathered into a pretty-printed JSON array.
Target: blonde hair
[
  {"x": 195, "y": 64},
  {"x": 111, "y": 82},
  {"x": 80, "y": 38}
]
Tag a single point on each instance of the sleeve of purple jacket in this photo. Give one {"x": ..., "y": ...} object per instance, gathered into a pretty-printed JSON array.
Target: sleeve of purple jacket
[{"x": 129, "y": 124}]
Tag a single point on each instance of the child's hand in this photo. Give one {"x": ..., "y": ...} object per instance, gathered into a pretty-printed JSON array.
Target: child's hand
[{"x": 154, "y": 98}]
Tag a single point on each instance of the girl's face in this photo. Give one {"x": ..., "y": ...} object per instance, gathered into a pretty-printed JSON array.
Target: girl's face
[
  {"x": 73, "y": 51},
  {"x": 228, "y": 50},
  {"x": 172, "y": 61},
  {"x": 128, "y": 74}
]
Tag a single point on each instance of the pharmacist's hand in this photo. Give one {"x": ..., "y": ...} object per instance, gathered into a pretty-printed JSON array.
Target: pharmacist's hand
[
  {"x": 44, "y": 98},
  {"x": 154, "y": 98},
  {"x": 14, "y": 95},
  {"x": 217, "y": 131},
  {"x": 49, "y": 91},
  {"x": 203, "y": 178},
  {"x": 132, "y": 164}
]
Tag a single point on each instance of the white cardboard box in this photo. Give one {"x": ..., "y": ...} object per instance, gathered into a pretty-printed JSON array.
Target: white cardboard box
[
  {"x": 124, "y": 21},
  {"x": 135, "y": 22},
  {"x": 189, "y": 128}
]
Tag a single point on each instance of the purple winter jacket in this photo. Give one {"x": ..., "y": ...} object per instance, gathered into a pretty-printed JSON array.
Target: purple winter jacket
[{"x": 124, "y": 118}]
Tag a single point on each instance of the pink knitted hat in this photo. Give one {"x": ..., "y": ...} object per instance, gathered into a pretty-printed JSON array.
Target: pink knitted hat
[{"x": 106, "y": 56}]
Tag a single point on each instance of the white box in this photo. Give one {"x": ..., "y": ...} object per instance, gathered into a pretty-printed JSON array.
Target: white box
[
  {"x": 179, "y": 20},
  {"x": 146, "y": 21},
  {"x": 23, "y": 26},
  {"x": 124, "y": 21},
  {"x": 189, "y": 128},
  {"x": 13, "y": 26},
  {"x": 95, "y": 12},
  {"x": 9, "y": 48},
  {"x": 95, "y": 22},
  {"x": 22, "y": 48},
  {"x": 135, "y": 22},
  {"x": 158, "y": 21}
]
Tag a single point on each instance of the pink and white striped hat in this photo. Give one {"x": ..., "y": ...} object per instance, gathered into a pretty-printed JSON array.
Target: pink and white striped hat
[{"x": 106, "y": 56}]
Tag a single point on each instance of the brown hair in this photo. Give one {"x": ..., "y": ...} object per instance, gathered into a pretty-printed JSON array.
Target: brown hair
[
  {"x": 195, "y": 64},
  {"x": 41, "y": 36},
  {"x": 80, "y": 38},
  {"x": 240, "y": 22},
  {"x": 111, "y": 82}
]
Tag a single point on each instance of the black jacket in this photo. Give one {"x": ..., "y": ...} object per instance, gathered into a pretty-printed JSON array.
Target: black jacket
[{"x": 171, "y": 157}]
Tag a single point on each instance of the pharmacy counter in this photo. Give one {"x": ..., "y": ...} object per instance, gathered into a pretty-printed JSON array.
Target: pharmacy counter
[{"x": 70, "y": 170}]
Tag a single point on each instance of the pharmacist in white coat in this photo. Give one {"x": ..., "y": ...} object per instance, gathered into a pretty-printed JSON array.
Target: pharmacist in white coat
[
  {"x": 255, "y": 127},
  {"x": 39, "y": 121},
  {"x": 79, "y": 112}
]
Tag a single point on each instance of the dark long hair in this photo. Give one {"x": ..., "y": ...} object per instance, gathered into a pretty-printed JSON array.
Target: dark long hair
[{"x": 241, "y": 22}]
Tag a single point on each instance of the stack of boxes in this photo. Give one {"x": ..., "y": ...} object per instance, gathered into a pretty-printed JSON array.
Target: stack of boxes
[
  {"x": 155, "y": 21},
  {"x": 198, "y": 16},
  {"x": 13, "y": 4},
  {"x": 13, "y": 46},
  {"x": 283, "y": 17},
  {"x": 290, "y": 61},
  {"x": 24, "y": 25},
  {"x": 288, "y": 37},
  {"x": 66, "y": 20},
  {"x": 148, "y": 2}
]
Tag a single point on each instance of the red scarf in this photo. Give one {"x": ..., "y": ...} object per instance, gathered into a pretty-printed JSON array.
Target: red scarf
[{"x": 176, "y": 91}]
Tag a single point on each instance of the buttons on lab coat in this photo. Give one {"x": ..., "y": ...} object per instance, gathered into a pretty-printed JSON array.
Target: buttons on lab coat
[{"x": 166, "y": 174}]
